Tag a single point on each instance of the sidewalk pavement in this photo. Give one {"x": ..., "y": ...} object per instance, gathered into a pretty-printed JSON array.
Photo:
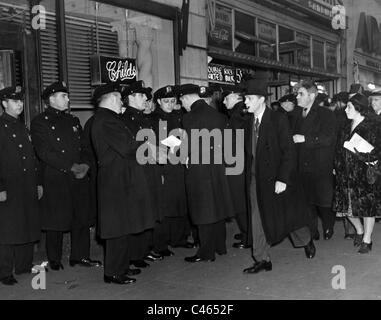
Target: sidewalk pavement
[{"x": 293, "y": 276}]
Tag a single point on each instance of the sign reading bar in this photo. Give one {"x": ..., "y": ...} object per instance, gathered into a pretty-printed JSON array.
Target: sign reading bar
[
  {"x": 105, "y": 69},
  {"x": 226, "y": 74}
]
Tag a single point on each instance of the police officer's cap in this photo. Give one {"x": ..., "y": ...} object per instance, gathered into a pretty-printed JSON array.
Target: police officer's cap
[
  {"x": 135, "y": 87},
  {"x": 341, "y": 96},
  {"x": 105, "y": 89},
  {"x": 205, "y": 92},
  {"x": 148, "y": 93},
  {"x": 14, "y": 93},
  {"x": 189, "y": 88},
  {"x": 375, "y": 93},
  {"x": 59, "y": 86},
  {"x": 288, "y": 98},
  {"x": 233, "y": 89},
  {"x": 165, "y": 92}
]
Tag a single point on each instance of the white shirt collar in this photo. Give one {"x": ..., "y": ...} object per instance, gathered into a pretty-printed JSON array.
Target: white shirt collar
[{"x": 260, "y": 116}]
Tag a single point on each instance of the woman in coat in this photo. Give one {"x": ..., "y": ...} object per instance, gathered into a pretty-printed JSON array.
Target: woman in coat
[{"x": 354, "y": 195}]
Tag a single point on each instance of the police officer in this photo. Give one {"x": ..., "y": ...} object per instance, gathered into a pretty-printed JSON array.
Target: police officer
[
  {"x": 208, "y": 193},
  {"x": 123, "y": 193},
  {"x": 56, "y": 136},
  {"x": 19, "y": 190},
  {"x": 176, "y": 225},
  {"x": 135, "y": 98}
]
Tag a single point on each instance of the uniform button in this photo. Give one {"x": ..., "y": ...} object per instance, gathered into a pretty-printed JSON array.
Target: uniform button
[
  {"x": 24, "y": 170},
  {"x": 46, "y": 118},
  {"x": 20, "y": 146},
  {"x": 63, "y": 151},
  {"x": 140, "y": 127},
  {"x": 13, "y": 135},
  {"x": 6, "y": 125},
  {"x": 53, "y": 128},
  {"x": 35, "y": 169},
  {"x": 24, "y": 158},
  {"x": 58, "y": 139},
  {"x": 132, "y": 118}
]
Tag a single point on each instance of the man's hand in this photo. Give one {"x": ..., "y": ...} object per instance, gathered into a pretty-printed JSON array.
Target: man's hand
[
  {"x": 3, "y": 196},
  {"x": 83, "y": 169},
  {"x": 40, "y": 192},
  {"x": 75, "y": 168},
  {"x": 280, "y": 187},
  {"x": 298, "y": 138}
]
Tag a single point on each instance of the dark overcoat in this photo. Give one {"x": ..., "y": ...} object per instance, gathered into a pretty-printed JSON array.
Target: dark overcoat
[
  {"x": 136, "y": 120},
  {"x": 237, "y": 181},
  {"x": 19, "y": 214},
  {"x": 208, "y": 194},
  {"x": 315, "y": 155},
  {"x": 57, "y": 138},
  {"x": 351, "y": 173},
  {"x": 123, "y": 193},
  {"x": 275, "y": 160},
  {"x": 173, "y": 188}
]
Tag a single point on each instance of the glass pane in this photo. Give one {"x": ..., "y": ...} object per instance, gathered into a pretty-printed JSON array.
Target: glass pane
[
  {"x": 331, "y": 58},
  {"x": 303, "y": 52},
  {"x": 318, "y": 52},
  {"x": 244, "y": 28},
  {"x": 287, "y": 45},
  {"x": 267, "y": 33},
  {"x": 221, "y": 35}
]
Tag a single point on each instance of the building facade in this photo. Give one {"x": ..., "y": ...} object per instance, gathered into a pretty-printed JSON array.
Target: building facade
[
  {"x": 66, "y": 40},
  {"x": 290, "y": 39}
]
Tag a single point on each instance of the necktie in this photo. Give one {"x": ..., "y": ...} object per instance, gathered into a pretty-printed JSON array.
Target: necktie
[
  {"x": 305, "y": 110},
  {"x": 254, "y": 143}
]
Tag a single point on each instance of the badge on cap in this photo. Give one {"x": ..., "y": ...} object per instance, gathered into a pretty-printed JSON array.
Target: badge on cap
[
  {"x": 18, "y": 89},
  {"x": 202, "y": 90},
  {"x": 168, "y": 89},
  {"x": 63, "y": 83}
]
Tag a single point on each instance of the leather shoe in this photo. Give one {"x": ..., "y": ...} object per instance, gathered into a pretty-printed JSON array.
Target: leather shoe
[
  {"x": 123, "y": 279},
  {"x": 310, "y": 250},
  {"x": 357, "y": 240},
  {"x": 238, "y": 236},
  {"x": 240, "y": 245},
  {"x": 328, "y": 234},
  {"x": 259, "y": 266},
  {"x": 55, "y": 265},
  {"x": 365, "y": 247},
  {"x": 139, "y": 263},
  {"x": 132, "y": 272},
  {"x": 196, "y": 258},
  {"x": 152, "y": 256},
  {"x": 85, "y": 262},
  {"x": 187, "y": 245},
  {"x": 167, "y": 253},
  {"x": 8, "y": 281}
]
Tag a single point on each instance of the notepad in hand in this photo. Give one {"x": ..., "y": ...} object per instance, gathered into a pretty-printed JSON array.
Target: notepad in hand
[{"x": 359, "y": 143}]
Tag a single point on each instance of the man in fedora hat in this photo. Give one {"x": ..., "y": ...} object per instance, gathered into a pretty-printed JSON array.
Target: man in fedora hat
[
  {"x": 375, "y": 99},
  {"x": 57, "y": 138},
  {"x": 315, "y": 140},
  {"x": 275, "y": 211},
  {"x": 209, "y": 200},
  {"x": 233, "y": 100},
  {"x": 20, "y": 190}
]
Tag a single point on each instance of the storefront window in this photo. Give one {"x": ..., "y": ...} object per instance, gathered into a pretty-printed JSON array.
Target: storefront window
[
  {"x": 244, "y": 33},
  {"x": 331, "y": 58},
  {"x": 318, "y": 54},
  {"x": 287, "y": 45},
  {"x": 267, "y": 33},
  {"x": 221, "y": 35},
  {"x": 303, "y": 53}
]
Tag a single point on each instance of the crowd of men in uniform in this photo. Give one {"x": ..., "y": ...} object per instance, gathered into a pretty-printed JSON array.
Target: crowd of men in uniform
[{"x": 61, "y": 178}]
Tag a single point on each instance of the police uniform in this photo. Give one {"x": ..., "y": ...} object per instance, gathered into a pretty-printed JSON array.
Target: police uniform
[
  {"x": 56, "y": 136},
  {"x": 209, "y": 199},
  {"x": 141, "y": 243},
  {"x": 175, "y": 225},
  {"x": 19, "y": 214},
  {"x": 123, "y": 207}
]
